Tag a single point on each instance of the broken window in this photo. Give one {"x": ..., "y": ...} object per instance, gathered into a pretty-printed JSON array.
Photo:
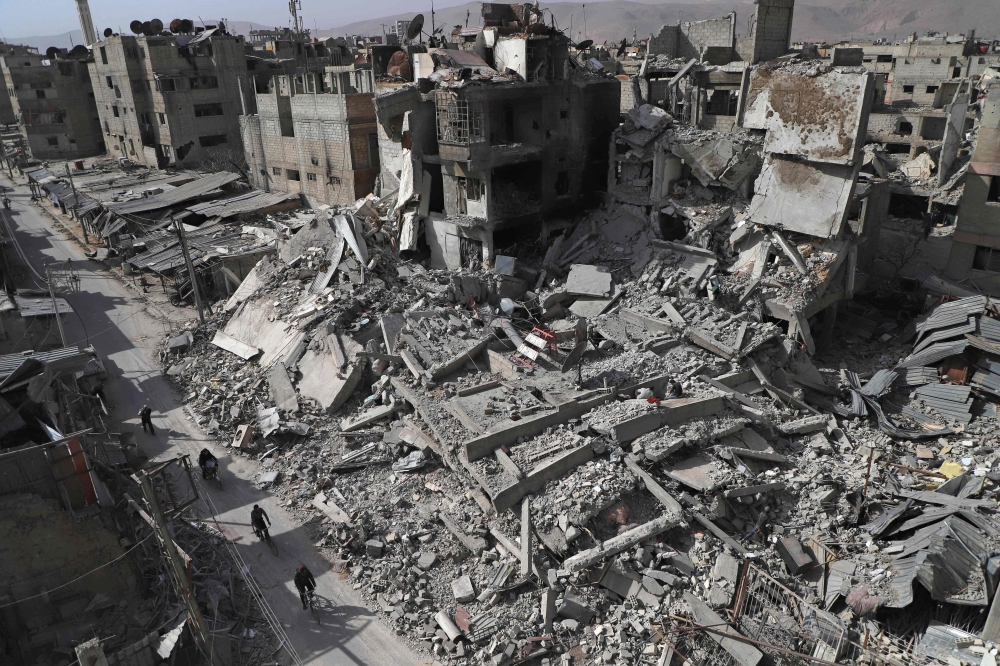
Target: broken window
[
  {"x": 53, "y": 140},
  {"x": 931, "y": 90},
  {"x": 163, "y": 118},
  {"x": 166, "y": 85},
  {"x": 212, "y": 140},
  {"x": 993, "y": 196},
  {"x": 104, "y": 56},
  {"x": 562, "y": 184},
  {"x": 334, "y": 180},
  {"x": 373, "y": 161},
  {"x": 293, "y": 174},
  {"x": 40, "y": 94},
  {"x": 144, "y": 118},
  {"x": 115, "y": 111},
  {"x": 205, "y": 110},
  {"x": 986, "y": 259},
  {"x": 457, "y": 123},
  {"x": 883, "y": 58},
  {"x": 311, "y": 177},
  {"x": 473, "y": 189},
  {"x": 907, "y": 89},
  {"x": 276, "y": 171},
  {"x": 203, "y": 82},
  {"x": 905, "y": 128},
  {"x": 956, "y": 73}
]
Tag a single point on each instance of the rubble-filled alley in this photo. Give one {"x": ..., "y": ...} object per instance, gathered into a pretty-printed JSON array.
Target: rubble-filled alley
[{"x": 552, "y": 357}]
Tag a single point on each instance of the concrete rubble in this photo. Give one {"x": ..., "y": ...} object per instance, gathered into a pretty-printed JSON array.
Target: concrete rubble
[{"x": 651, "y": 432}]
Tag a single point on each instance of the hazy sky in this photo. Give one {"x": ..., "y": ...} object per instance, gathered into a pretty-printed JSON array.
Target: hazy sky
[{"x": 21, "y": 18}]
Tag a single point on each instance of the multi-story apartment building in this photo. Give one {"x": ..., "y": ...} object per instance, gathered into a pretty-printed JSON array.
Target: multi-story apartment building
[
  {"x": 170, "y": 98},
  {"x": 7, "y": 116},
  {"x": 314, "y": 133},
  {"x": 53, "y": 103}
]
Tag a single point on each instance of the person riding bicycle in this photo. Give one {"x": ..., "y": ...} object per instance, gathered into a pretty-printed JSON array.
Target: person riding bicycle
[
  {"x": 203, "y": 458},
  {"x": 304, "y": 582},
  {"x": 257, "y": 518}
]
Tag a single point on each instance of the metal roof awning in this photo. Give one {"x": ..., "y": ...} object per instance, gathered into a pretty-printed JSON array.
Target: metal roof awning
[
  {"x": 192, "y": 190},
  {"x": 71, "y": 358},
  {"x": 246, "y": 202},
  {"x": 41, "y": 306}
]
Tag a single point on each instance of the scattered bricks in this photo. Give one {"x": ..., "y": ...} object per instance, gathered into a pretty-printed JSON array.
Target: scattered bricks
[
  {"x": 795, "y": 558},
  {"x": 374, "y": 548},
  {"x": 463, "y": 589}
]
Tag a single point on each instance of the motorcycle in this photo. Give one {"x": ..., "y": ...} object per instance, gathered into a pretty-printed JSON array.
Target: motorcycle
[{"x": 212, "y": 472}]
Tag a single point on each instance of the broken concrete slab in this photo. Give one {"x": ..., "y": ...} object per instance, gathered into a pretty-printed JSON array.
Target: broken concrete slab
[
  {"x": 474, "y": 544},
  {"x": 462, "y": 589},
  {"x": 587, "y": 280},
  {"x": 744, "y": 653},
  {"x": 282, "y": 391},
  {"x": 373, "y": 415},
  {"x": 322, "y": 381},
  {"x": 331, "y": 510},
  {"x": 796, "y": 559}
]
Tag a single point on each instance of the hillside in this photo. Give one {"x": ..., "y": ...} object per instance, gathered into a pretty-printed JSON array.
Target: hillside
[{"x": 611, "y": 20}]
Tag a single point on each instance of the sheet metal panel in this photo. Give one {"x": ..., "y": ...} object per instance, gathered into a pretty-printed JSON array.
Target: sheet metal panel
[{"x": 196, "y": 188}]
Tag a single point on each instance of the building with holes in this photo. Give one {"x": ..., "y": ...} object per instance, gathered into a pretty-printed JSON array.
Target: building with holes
[
  {"x": 52, "y": 102},
  {"x": 172, "y": 99},
  {"x": 314, "y": 133}
]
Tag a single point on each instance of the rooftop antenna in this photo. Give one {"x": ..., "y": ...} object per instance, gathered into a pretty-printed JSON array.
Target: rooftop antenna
[
  {"x": 585, "y": 21},
  {"x": 432, "y": 19},
  {"x": 468, "y": 12}
]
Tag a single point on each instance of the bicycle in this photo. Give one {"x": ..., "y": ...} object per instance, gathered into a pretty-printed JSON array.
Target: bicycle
[
  {"x": 310, "y": 597},
  {"x": 264, "y": 535}
]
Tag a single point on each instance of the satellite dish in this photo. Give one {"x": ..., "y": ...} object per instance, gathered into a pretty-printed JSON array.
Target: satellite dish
[
  {"x": 156, "y": 25},
  {"x": 416, "y": 25},
  {"x": 108, "y": 32},
  {"x": 51, "y": 52},
  {"x": 175, "y": 26},
  {"x": 147, "y": 29},
  {"x": 79, "y": 51},
  {"x": 584, "y": 45},
  {"x": 574, "y": 356},
  {"x": 135, "y": 27}
]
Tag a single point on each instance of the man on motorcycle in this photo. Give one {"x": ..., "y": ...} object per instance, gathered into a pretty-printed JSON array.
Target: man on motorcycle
[
  {"x": 203, "y": 461},
  {"x": 257, "y": 518}
]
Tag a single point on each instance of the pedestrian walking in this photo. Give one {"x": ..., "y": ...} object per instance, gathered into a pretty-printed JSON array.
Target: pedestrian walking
[{"x": 146, "y": 414}]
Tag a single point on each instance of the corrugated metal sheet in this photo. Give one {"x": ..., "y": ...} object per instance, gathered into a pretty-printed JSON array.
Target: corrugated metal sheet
[
  {"x": 989, "y": 328},
  {"x": 40, "y": 306},
  {"x": 935, "y": 353},
  {"x": 945, "y": 392},
  {"x": 982, "y": 343},
  {"x": 247, "y": 202},
  {"x": 916, "y": 376},
  {"x": 186, "y": 192},
  {"x": 62, "y": 357},
  {"x": 952, "y": 314},
  {"x": 945, "y": 334}
]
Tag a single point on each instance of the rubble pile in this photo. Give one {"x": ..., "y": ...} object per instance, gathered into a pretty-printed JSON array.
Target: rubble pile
[{"x": 598, "y": 448}]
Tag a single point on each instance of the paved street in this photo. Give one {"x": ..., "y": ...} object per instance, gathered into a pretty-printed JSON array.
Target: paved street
[{"x": 127, "y": 333}]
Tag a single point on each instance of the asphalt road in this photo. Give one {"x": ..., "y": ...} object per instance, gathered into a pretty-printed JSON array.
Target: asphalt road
[{"x": 127, "y": 333}]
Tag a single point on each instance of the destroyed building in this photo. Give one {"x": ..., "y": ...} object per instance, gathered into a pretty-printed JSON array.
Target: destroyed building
[
  {"x": 53, "y": 102},
  {"x": 7, "y": 116},
  {"x": 314, "y": 132},
  {"x": 496, "y": 140},
  {"x": 171, "y": 98}
]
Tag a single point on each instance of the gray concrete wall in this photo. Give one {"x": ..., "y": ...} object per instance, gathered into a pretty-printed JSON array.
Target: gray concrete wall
[
  {"x": 53, "y": 103},
  {"x": 772, "y": 29}
]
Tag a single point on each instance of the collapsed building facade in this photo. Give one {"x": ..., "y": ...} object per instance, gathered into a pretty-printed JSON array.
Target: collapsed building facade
[{"x": 680, "y": 427}]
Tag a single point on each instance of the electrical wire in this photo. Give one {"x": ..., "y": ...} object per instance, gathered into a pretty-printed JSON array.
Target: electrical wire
[
  {"x": 59, "y": 587},
  {"x": 269, "y": 615}
]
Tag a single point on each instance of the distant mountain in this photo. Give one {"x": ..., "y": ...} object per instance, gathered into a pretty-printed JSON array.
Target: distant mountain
[{"x": 612, "y": 20}]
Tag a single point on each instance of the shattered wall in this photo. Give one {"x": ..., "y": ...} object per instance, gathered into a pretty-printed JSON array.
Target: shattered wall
[
  {"x": 771, "y": 32},
  {"x": 689, "y": 39}
]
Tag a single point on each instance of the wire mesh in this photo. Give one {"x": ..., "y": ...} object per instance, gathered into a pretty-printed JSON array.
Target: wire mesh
[{"x": 457, "y": 122}]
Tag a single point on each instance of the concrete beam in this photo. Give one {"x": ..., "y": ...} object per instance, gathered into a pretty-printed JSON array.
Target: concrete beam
[
  {"x": 474, "y": 544},
  {"x": 669, "y": 412},
  {"x": 624, "y": 541},
  {"x": 482, "y": 446},
  {"x": 453, "y": 364},
  {"x": 526, "y": 545},
  {"x": 536, "y": 480}
]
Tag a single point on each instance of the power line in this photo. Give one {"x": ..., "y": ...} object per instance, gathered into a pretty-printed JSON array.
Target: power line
[{"x": 59, "y": 587}]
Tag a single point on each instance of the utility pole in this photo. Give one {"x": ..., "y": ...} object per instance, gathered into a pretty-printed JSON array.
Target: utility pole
[
  {"x": 69, "y": 173},
  {"x": 198, "y": 627},
  {"x": 190, "y": 266},
  {"x": 55, "y": 305}
]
